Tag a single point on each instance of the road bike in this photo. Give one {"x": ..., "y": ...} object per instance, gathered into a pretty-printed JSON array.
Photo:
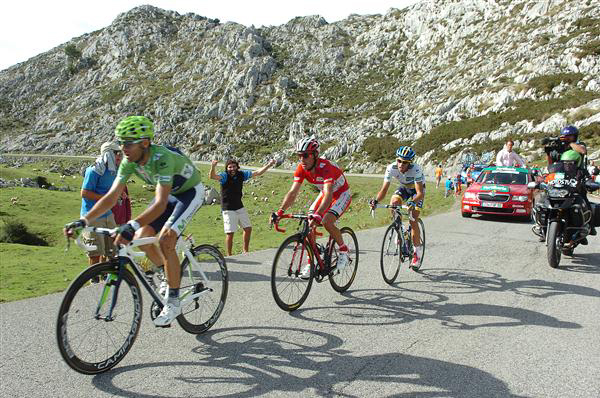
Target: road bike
[
  {"x": 99, "y": 317},
  {"x": 289, "y": 286},
  {"x": 397, "y": 246}
]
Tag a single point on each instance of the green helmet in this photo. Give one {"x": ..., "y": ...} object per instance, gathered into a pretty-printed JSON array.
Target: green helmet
[
  {"x": 572, "y": 156},
  {"x": 134, "y": 127}
]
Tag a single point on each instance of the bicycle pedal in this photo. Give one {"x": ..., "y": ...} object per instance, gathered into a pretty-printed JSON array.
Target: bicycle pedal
[{"x": 163, "y": 327}]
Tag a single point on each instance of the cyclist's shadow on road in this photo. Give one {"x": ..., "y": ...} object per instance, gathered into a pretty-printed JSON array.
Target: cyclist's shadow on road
[
  {"x": 248, "y": 362},
  {"x": 429, "y": 298}
]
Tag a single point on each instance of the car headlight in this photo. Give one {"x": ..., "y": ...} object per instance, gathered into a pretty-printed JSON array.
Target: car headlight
[
  {"x": 520, "y": 198},
  {"x": 470, "y": 195},
  {"x": 557, "y": 193}
]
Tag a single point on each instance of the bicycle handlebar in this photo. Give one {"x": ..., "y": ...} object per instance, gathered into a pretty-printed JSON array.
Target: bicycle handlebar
[
  {"x": 112, "y": 232},
  {"x": 395, "y": 207},
  {"x": 297, "y": 216}
]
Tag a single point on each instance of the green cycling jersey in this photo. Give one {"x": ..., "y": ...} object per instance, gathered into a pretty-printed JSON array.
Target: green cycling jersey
[{"x": 165, "y": 166}]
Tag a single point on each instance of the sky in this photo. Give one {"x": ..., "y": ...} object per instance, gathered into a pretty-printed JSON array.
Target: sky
[{"x": 31, "y": 27}]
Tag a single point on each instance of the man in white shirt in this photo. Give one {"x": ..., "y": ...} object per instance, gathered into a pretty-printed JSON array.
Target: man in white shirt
[{"x": 506, "y": 157}]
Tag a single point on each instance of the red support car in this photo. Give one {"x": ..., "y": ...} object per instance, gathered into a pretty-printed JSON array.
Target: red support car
[{"x": 500, "y": 191}]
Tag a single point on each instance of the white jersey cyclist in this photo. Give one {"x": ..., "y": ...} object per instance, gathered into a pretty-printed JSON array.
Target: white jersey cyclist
[{"x": 413, "y": 175}]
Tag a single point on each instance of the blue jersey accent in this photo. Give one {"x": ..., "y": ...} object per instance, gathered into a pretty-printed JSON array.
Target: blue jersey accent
[
  {"x": 247, "y": 174},
  {"x": 99, "y": 184}
]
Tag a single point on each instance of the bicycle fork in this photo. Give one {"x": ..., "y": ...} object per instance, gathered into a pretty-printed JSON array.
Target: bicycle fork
[{"x": 112, "y": 282}]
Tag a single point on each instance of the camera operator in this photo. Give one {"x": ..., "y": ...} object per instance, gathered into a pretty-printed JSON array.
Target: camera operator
[
  {"x": 566, "y": 147},
  {"x": 555, "y": 147}
]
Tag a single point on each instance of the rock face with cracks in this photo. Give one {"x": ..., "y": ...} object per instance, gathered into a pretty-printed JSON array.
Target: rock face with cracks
[{"x": 443, "y": 76}]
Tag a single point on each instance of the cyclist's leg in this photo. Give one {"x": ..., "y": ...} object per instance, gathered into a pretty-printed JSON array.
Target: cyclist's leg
[
  {"x": 152, "y": 251},
  {"x": 187, "y": 203},
  {"x": 400, "y": 195},
  {"x": 313, "y": 207},
  {"x": 334, "y": 212}
]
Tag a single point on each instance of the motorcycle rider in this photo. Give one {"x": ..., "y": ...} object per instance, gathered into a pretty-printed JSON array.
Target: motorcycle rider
[{"x": 570, "y": 150}]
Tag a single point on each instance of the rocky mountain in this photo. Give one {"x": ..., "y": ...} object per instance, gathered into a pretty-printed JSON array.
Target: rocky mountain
[{"x": 446, "y": 76}]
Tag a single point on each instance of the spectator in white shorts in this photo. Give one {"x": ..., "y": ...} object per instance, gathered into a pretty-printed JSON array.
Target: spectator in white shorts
[{"x": 234, "y": 213}]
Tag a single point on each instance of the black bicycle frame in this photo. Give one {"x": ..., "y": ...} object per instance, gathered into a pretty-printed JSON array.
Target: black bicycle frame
[{"x": 123, "y": 261}]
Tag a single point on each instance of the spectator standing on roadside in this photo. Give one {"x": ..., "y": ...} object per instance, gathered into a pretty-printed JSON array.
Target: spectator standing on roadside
[
  {"x": 438, "y": 175},
  {"x": 507, "y": 158},
  {"x": 458, "y": 185},
  {"x": 449, "y": 187},
  {"x": 233, "y": 210},
  {"x": 97, "y": 180},
  {"x": 122, "y": 210}
]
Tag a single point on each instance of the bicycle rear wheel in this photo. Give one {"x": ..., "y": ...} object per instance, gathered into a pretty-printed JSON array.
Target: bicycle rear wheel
[
  {"x": 88, "y": 340},
  {"x": 289, "y": 289},
  {"x": 391, "y": 256},
  {"x": 210, "y": 280},
  {"x": 341, "y": 281},
  {"x": 422, "y": 231}
]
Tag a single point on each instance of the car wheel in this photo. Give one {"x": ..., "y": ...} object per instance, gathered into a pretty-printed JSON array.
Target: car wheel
[{"x": 466, "y": 215}]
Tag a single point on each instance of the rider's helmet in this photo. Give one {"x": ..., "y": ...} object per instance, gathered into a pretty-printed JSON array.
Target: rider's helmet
[
  {"x": 405, "y": 153},
  {"x": 307, "y": 145},
  {"x": 134, "y": 127},
  {"x": 569, "y": 130},
  {"x": 571, "y": 156}
]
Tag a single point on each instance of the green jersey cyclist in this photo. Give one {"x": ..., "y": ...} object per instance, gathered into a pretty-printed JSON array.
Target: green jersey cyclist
[
  {"x": 179, "y": 194},
  {"x": 411, "y": 189}
]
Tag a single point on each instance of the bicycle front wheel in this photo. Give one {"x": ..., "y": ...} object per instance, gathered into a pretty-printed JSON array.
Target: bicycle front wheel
[
  {"x": 203, "y": 289},
  {"x": 341, "y": 280},
  {"x": 89, "y": 339},
  {"x": 391, "y": 256},
  {"x": 289, "y": 287}
]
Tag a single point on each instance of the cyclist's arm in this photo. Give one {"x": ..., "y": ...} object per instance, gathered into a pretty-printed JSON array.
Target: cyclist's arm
[
  {"x": 327, "y": 197},
  {"x": 383, "y": 191},
  {"x": 290, "y": 197},
  {"x": 420, "y": 192},
  {"x": 161, "y": 198},
  {"x": 106, "y": 202}
]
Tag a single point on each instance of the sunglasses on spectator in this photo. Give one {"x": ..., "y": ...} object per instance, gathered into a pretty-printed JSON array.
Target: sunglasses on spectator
[{"x": 127, "y": 143}]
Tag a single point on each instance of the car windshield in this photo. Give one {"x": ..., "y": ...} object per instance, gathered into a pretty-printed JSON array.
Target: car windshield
[{"x": 496, "y": 177}]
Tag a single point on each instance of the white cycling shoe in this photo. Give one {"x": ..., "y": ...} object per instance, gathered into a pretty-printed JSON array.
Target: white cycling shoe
[
  {"x": 305, "y": 271},
  {"x": 342, "y": 261},
  {"x": 169, "y": 312}
]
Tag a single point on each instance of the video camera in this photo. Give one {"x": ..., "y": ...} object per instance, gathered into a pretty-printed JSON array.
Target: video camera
[{"x": 551, "y": 144}]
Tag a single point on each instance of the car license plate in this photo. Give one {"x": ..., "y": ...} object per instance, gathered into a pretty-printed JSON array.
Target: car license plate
[{"x": 491, "y": 204}]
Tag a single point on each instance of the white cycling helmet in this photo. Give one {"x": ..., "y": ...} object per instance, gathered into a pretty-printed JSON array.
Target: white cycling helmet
[{"x": 307, "y": 145}]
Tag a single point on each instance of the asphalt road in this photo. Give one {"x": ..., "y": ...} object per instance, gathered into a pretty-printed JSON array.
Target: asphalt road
[{"x": 487, "y": 317}]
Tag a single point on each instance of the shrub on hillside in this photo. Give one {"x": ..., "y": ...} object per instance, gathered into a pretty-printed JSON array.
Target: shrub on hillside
[
  {"x": 546, "y": 83},
  {"x": 16, "y": 232}
]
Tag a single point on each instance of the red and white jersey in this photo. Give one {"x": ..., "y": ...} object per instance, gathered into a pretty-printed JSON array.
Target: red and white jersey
[{"x": 325, "y": 172}]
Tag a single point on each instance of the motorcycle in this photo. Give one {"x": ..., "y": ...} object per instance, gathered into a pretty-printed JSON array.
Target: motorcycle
[{"x": 562, "y": 215}]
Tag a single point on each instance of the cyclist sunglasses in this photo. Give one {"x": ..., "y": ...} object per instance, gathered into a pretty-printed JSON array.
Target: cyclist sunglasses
[
  {"x": 402, "y": 161},
  {"x": 303, "y": 155},
  {"x": 126, "y": 143}
]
